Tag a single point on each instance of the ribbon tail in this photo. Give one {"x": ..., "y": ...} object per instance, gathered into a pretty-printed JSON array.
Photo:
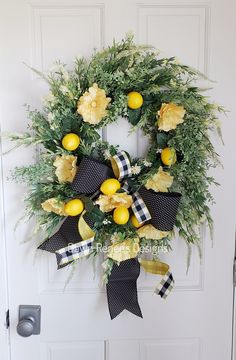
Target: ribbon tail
[
  {"x": 68, "y": 233},
  {"x": 122, "y": 288},
  {"x": 165, "y": 286},
  {"x": 133, "y": 306}
]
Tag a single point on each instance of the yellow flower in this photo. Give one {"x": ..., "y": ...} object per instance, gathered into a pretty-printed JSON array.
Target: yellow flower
[
  {"x": 160, "y": 181},
  {"x": 109, "y": 202},
  {"x": 92, "y": 105},
  {"x": 169, "y": 116},
  {"x": 54, "y": 205},
  {"x": 124, "y": 250},
  {"x": 65, "y": 168},
  {"x": 151, "y": 233}
]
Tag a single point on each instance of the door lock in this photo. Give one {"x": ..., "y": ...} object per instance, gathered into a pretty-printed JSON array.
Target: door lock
[{"x": 29, "y": 320}]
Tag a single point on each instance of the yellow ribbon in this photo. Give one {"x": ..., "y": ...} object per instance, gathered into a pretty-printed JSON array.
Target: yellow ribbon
[
  {"x": 154, "y": 266},
  {"x": 115, "y": 168},
  {"x": 84, "y": 229}
]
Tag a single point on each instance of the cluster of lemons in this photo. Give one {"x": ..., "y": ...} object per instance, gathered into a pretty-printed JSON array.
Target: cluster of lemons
[
  {"x": 110, "y": 186},
  {"x": 121, "y": 215}
]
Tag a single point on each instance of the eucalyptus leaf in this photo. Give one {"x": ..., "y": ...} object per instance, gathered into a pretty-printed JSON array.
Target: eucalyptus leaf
[
  {"x": 88, "y": 204},
  {"x": 162, "y": 139},
  {"x": 96, "y": 215},
  {"x": 134, "y": 116}
]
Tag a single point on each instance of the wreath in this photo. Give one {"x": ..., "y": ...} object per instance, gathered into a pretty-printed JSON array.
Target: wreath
[{"x": 95, "y": 194}]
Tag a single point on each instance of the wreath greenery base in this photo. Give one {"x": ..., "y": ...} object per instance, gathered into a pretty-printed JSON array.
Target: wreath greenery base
[{"x": 157, "y": 96}]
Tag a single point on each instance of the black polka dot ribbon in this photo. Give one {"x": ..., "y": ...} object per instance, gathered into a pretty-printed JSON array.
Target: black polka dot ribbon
[
  {"x": 90, "y": 175},
  {"x": 163, "y": 207},
  {"x": 67, "y": 243},
  {"x": 122, "y": 288}
]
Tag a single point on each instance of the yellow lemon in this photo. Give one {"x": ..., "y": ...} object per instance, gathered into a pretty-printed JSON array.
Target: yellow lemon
[
  {"x": 74, "y": 207},
  {"x": 168, "y": 156},
  {"x": 110, "y": 186},
  {"x": 121, "y": 215},
  {"x": 135, "y": 100},
  {"x": 135, "y": 222},
  {"x": 71, "y": 141}
]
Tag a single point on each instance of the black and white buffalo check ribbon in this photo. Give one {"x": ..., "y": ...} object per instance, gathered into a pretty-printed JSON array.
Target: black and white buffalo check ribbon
[
  {"x": 75, "y": 251},
  {"x": 122, "y": 162},
  {"x": 139, "y": 207},
  {"x": 165, "y": 286}
]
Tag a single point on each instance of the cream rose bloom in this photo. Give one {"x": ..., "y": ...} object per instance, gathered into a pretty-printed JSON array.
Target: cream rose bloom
[
  {"x": 124, "y": 250},
  {"x": 150, "y": 232},
  {"x": 65, "y": 168},
  {"x": 160, "y": 181},
  {"x": 169, "y": 116},
  {"x": 54, "y": 205},
  {"x": 109, "y": 202},
  {"x": 92, "y": 105}
]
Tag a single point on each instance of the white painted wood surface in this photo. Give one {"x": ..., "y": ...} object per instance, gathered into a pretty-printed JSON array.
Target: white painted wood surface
[{"x": 195, "y": 321}]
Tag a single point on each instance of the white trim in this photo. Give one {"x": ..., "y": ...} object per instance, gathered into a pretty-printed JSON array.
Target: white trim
[
  {"x": 233, "y": 350},
  {"x": 4, "y": 333}
]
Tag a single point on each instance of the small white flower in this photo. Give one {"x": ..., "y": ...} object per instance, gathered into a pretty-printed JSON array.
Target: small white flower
[
  {"x": 64, "y": 89},
  {"x": 147, "y": 163},
  {"x": 107, "y": 154},
  {"x": 159, "y": 151},
  {"x": 106, "y": 222},
  {"x": 173, "y": 83},
  {"x": 115, "y": 237},
  {"x": 49, "y": 99},
  {"x": 50, "y": 117},
  {"x": 65, "y": 76},
  {"x": 54, "y": 126},
  {"x": 135, "y": 169}
]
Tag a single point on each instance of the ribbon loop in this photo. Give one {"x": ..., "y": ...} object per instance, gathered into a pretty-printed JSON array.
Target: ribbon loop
[
  {"x": 139, "y": 207},
  {"x": 90, "y": 174},
  {"x": 154, "y": 267},
  {"x": 163, "y": 207},
  {"x": 121, "y": 165}
]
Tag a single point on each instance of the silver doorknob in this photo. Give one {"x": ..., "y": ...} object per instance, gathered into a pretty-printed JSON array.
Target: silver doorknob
[
  {"x": 29, "y": 320},
  {"x": 25, "y": 327}
]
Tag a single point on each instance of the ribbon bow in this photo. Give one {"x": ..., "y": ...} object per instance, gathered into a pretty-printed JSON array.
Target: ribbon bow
[{"x": 75, "y": 237}]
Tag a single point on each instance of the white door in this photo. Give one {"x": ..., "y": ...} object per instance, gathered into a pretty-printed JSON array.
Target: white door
[{"x": 195, "y": 322}]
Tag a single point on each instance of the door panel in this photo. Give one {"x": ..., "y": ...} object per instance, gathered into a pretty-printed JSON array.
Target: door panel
[{"x": 195, "y": 321}]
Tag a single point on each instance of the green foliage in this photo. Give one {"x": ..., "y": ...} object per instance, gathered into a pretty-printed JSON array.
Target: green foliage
[
  {"x": 42, "y": 171},
  {"x": 119, "y": 69}
]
